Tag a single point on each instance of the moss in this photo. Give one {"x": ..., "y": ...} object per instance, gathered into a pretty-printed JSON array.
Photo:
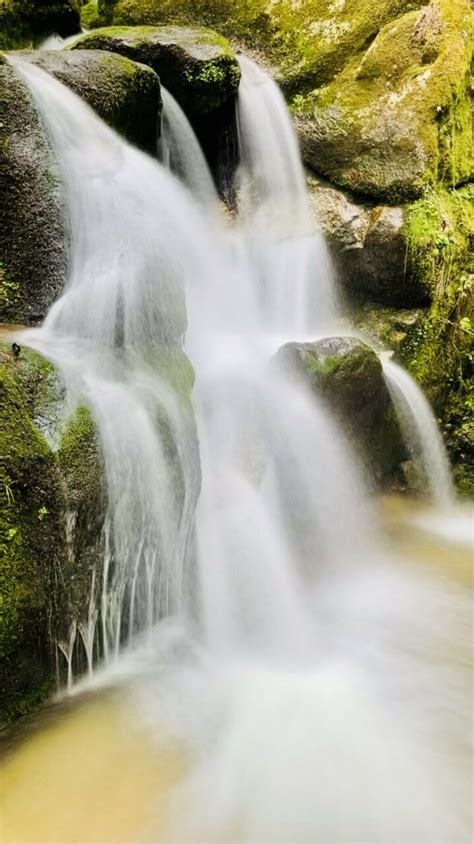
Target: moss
[
  {"x": 439, "y": 230},
  {"x": 90, "y": 16},
  {"x": 194, "y": 63},
  {"x": 459, "y": 434}
]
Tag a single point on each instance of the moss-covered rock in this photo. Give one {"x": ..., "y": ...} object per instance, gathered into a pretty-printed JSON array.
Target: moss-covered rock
[
  {"x": 194, "y": 63},
  {"x": 397, "y": 118},
  {"x": 439, "y": 231},
  {"x": 90, "y": 16},
  {"x": 123, "y": 93},
  {"x": 30, "y": 537},
  {"x": 24, "y": 22},
  {"x": 32, "y": 242},
  {"x": 348, "y": 375}
]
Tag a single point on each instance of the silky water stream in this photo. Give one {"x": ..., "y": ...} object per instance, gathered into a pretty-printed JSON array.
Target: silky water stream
[{"x": 292, "y": 667}]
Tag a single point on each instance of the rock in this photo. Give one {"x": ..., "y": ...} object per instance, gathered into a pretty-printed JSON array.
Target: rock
[
  {"x": 194, "y": 63},
  {"x": 32, "y": 237},
  {"x": 30, "y": 540},
  {"x": 348, "y": 375},
  {"x": 24, "y": 22},
  {"x": 123, "y": 93},
  {"x": 51, "y": 515},
  {"x": 32, "y": 252},
  {"x": 368, "y": 247},
  {"x": 396, "y": 119}
]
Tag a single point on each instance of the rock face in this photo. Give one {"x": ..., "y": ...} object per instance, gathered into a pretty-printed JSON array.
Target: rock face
[
  {"x": 32, "y": 252},
  {"x": 348, "y": 375},
  {"x": 32, "y": 237},
  {"x": 126, "y": 95},
  {"x": 23, "y": 22},
  {"x": 194, "y": 63}
]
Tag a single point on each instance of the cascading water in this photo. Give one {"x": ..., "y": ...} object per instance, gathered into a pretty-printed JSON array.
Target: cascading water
[
  {"x": 310, "y": 677},
  {"x": 420, "y": 431},
  {"x": 179, "y": 150}
]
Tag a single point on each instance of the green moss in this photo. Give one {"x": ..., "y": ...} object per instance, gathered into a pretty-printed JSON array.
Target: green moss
[
  {"x": 30, "y": 533},
  {"x": 439, "y": 230},
  {"x": 90, "y": 16}
]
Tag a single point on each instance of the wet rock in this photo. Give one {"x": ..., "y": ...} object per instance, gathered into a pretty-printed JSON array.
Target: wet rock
[
  {"x": 123, "y": 93},
  {"x": 32, "y": 238},
  {"x": 348, "y": 375},
  {"x": 194, "y": 63},
  {"x": 24, "y": 22}
]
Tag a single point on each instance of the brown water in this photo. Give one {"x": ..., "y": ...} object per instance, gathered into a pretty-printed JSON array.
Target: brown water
[{"x": 86, "y": 771}]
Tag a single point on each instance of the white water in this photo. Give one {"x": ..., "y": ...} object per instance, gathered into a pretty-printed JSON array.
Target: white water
[
  {"x": 295, "y": 283},
  {"x": 179, "y": 150},
  {"x": 321, "y": 687},
  {"x": 421, "y": 432}
]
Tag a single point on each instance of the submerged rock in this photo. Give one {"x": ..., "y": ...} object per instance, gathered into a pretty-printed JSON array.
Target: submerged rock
[
  {"x": 348, "y": 375},
  {"x": 194, "y": 63},
  {"x": 123, "y": 93},
  {"x": 23, "y": 22}
]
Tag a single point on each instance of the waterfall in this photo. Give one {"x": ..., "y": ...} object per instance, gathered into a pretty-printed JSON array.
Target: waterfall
[
  {"x": 421, "y": 432},
  {"x": 289, "y": 257},
  {"x": 179, "y": 150},
  {"x": 304, "y": 668}
]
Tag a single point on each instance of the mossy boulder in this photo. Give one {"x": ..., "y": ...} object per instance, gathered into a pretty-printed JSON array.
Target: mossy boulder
[
  {"x": 347, "y": 374},
  {"x": 32, "y": 237},
  {"x": 30, "y": 535},
  {"x": 52, "y": 508},
  {"x": 397, "y": 118},
  {"x": 126, "y": 95},
  {"x": 194, "y": 63},
  {"x": 25, "y": 22}
]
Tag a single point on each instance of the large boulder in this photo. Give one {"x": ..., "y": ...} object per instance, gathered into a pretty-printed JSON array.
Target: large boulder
[
  {"x": 194, "y": 63},
  {"x": 24, "y": 22},
  {"x": 348, "y": 375},
  {"x": 397, "y": 118},
  {"x": 126, "y": 95},
  {"x": 32, "y": 238}
]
